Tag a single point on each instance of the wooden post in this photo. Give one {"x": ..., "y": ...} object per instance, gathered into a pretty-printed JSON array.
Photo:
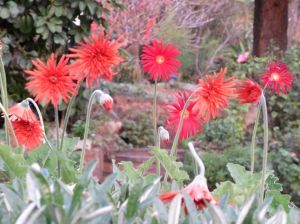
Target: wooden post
[{"x": 270, "y": 26}]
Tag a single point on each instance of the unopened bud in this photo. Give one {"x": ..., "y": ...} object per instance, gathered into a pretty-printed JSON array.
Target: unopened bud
[
  {"x": 164, "y": 135},
  {"x": 106, "y": 101}
]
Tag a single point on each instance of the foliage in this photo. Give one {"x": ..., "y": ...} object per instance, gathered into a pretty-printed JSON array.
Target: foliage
[
  {"x": 231, "y": 128},
  {"x": 287, "y": 168},
  {"x": 14, "y": 165},
  {"x": 169, "y": 31},
  {"x": 138, "y": 132},
  {"x": 215, "y": 163},
  {"x": 33, "y": 29},
  {"x": 121, "y": 197}
]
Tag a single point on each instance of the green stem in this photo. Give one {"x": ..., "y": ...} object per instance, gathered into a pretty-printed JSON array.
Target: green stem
[
  {"x": 155, "y": 112},
  {"x": 57, "y": 139},
  {"x": 197, "y": 159},
  {"x": 176, "y": 138},
  {"x": 9, "y": 124},
  {"x": 265, "y": 151},
  {"x": 253, "y": 140},
  {"x": 158, "y": 146},
  {"x": 87, "y": 126},
  {"x": 3, "y": 87},
  {"x": 66, "y": 121}
]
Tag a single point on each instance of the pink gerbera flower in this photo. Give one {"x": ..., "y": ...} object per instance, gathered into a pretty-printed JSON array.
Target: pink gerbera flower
[{"x": 192, "y": 122}]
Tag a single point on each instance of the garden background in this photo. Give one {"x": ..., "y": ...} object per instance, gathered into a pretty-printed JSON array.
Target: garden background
[{"x": 242, "y": 35}]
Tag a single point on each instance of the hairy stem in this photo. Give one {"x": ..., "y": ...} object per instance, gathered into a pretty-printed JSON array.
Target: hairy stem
[
  {"x": 4, "y": 97},
  {"x": 265, "y": 151},
  {"x": 197, "y": 159},
  {"x": 57, "y": 139},
  {"x": 9, "y": 124},
  {"x": 253, "y": 140},
  {"x": 176, "y": 138},
  {"x": 155, "y": 112},
  {"x": 87, "y": 126},
  {"x": 66, "y": 121}
]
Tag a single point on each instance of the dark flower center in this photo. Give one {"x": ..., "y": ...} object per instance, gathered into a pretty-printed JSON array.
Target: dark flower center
[{"x": 53, "y": 79}]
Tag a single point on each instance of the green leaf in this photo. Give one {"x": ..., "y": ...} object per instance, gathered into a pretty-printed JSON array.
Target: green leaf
[
  {"x": 4, "y": 13},
  {"x": 273, "y": 184},
  {"x": 242, "y": 177},
  {"x": 146, "y": 165},
  {"x": 279, "y": 199},
  {"x": 133, "y": 201},
  {"x": 130, "y": 171},
  {"x": 15, "y": 164},
  {"x": 171, "y": 166}
]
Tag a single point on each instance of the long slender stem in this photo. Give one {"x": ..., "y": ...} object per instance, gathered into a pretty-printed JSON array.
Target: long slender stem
[
  {"x": 158, "y": 146},
  {"x": 9, "y": 124},
  {"x": 197, "y": 159},
  {"x": 37, "y": 109},
  {"x": 253, "y": 140},
  {"x": 265, "y": 151},
  {"x": 57, "y": 139},
  {"x": 155, "y": 112},
  {"x": 3, "y": 87},
  {"x": 176, "y": 138},
  {"x": 87, "y": 126},
  {"x": 66, "y": 121}
]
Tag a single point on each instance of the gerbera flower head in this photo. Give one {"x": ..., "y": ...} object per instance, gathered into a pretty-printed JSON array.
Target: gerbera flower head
[
  {"x": 21, "y": 111},
  {"x": 277, "y": 76},
  {"x": 213, "y": 94},
  {"x": 198, "y": 192},
  {"x": 106, "y": 101},
  {"x": 160, "y": 61},
  {"x": 192, "y": 122},
  {"x": 248, "y": 92},
  {"x": 27, "y": 128},
  {"x": 51, "y": 82},
  {"x": 95, "y": 58}
]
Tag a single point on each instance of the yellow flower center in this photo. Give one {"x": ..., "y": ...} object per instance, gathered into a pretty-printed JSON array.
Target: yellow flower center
[
  {"x": 160, "y": 59},
  {"x": 275, "y": 76}
]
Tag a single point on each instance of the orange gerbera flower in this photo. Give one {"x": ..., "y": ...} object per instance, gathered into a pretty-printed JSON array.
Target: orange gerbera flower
[
  {"x": 95, "y": 58},
  {"x": 213, "y": 94},
  {"x": 198, "y": 192},
  {"x": 192, "y": 122},
  {"x": 278, "y": 77},
  {"x": 248, "y": 92},
  {"x": 27, "y": 128},
  {"x": 160, "y": 61},
  {"x": 51, "y": 82}
]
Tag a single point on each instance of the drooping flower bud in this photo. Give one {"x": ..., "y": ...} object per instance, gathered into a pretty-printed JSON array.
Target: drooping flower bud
[
  {"x": 106, "y": 101},
  {"x": 163, "y": 134}
]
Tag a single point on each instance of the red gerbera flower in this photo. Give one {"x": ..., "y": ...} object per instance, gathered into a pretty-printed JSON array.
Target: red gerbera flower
[
  {"x": 198, "y": 192},
  {"x": 106, "y": 101},
  {"x": 213, "y": 94},
  {"x": 192, "y": 123},
  {"x": 21, "y": 111},
  {"x": 159, "y": 60},
  {"x": 278, "y": 77},
  {"x": 248, "y": 92},
  {"x": 95, "y": 58},
  {"x": 27, "y": 128},
  {"x": 51, "y": 82}
]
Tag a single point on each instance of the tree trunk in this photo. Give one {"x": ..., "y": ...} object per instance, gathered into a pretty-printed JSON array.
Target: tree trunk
[{"x": 270, "y": 26}]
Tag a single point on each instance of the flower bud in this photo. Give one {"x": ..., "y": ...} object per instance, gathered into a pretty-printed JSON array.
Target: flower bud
[
  {"x": 106, "y": 101},
  {"x": 163, "y": 134}
]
